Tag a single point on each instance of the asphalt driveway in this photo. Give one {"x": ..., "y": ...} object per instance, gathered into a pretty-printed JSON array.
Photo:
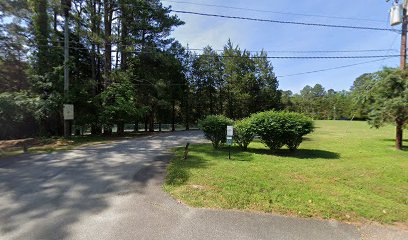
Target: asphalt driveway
[{"x": 113, "y": 191}]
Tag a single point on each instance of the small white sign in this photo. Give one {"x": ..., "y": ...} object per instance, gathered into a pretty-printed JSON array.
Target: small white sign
[
  {"x": 230, "y": 131},
  {"x": 68, "y": 112}
]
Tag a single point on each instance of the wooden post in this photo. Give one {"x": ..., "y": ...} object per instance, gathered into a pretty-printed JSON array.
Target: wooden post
[
  {"x": 399, "y": 131},
  {"x": 186, "y": 151}
]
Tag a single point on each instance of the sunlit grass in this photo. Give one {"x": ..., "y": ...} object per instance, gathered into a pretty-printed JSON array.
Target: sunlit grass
[{"x": 344, "y": 170}]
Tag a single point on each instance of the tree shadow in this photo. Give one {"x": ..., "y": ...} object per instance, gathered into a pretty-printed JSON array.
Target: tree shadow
[
  {"x": 392, "y": 143},
  {"x": 393, "y": 140},
  {"x": 178, "y": 171},
  {"x": 300, "y": 153},
  {"x": 237, "y": 154},
  {"x": 42, "y": 195}
]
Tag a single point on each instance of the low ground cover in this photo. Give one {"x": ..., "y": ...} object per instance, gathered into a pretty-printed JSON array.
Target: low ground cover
[{"x": 344, "y": 170}]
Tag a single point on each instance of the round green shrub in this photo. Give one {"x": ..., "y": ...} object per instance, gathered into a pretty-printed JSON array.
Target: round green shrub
[
  {"x": 277, "y": 129},
  {"x": 215, "y": 128},
  {"x": 243, "y": 133}
]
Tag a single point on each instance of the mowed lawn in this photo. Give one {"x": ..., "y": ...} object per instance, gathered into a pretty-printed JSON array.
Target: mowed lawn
[{"x": 344, "y": 170}]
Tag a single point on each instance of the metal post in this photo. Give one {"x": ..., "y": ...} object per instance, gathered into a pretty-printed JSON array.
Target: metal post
[{"x": 66, "y": 67}]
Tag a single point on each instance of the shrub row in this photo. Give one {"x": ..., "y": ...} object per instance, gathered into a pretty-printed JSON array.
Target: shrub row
[{"x": 275, "y": 129}]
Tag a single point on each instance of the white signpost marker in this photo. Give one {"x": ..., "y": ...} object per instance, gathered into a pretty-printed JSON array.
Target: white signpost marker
[
  {"x": 230, "y": 134},
  {"x": 68, "y": 112},
  {"x": 230, "y": 131}
]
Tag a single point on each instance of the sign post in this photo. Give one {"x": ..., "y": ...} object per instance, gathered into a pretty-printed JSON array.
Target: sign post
[
  {"x": 68, "y": 117},
  {"x": 68, "y": 112},
  {"x": 230, "y": 134}
]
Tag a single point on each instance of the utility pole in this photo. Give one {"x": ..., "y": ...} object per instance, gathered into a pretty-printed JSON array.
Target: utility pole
[
  {"x": 404, "y": 37},
  {"x": 398, "y": 15},
  {"x": 399, "y": 130},
  {"x": 66, "y": 4}
]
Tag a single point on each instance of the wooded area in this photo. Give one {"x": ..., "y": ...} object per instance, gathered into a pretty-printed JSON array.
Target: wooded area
[{"x": 125, "y": 68}]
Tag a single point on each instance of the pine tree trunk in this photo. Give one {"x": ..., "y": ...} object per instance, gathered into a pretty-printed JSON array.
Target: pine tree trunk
[
  {"x": 173, "y": 117},
  {"x": 107, "y": 130},
  {"x": 107, "y": 41},
  {"x": 399, "y": 135},
  {"x": 96, "y": 130},
  {"x": 121, "y": 128},
  {"x": 187, "y": 109},
  {"x": 123, "y": 36},
  {"x": 136, "y": 127},
  {"x": 151, "y": 122}
]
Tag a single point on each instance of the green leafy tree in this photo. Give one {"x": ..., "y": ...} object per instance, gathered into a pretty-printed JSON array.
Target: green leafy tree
[
  {"x": 361, "y": 95},
  {"x": 119, "y": 103},
  {"x": 390, "y": 101},
  {"x": 18, "y": 115}
]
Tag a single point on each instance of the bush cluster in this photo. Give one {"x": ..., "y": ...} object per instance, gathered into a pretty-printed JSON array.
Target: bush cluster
[
  {"x": 275, "y": 129},
  {"x": 215, "y": 128},
  {"x": 243, "y": 133}
]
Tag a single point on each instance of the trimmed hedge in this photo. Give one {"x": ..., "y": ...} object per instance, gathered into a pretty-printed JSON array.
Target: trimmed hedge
[
  {"x": 215, "y": 128},
  {"x": 243, "y": 133},
  {"x": 277, "y": 129}
]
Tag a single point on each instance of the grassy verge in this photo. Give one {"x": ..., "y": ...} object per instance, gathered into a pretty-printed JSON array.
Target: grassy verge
[
  {"x": 344, "y": 171},
  {"x": 45, "y": 145}
]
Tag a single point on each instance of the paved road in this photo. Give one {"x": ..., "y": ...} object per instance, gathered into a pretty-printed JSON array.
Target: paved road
[{"x": 113, "y": 191}]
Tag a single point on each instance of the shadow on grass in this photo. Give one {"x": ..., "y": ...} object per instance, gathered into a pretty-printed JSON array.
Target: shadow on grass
[
  {"x": 178, "y": 170},
  {"x": 237, "y": 154},
  {"x": 392, "y": 142},
  {"x": 300, "y": 153}
]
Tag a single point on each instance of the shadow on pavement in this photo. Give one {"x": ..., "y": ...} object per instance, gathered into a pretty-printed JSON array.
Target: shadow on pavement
[{"x": 41, "y": 195}]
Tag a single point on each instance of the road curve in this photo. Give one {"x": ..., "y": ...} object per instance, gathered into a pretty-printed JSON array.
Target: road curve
[{"x": 113, "y": 191}]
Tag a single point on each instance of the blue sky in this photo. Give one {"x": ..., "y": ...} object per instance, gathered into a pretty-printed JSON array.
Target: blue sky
[{"x": 200, "y": 31}]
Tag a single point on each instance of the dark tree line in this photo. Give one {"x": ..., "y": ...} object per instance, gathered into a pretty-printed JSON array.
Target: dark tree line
[{"x": 124, "y": 68}]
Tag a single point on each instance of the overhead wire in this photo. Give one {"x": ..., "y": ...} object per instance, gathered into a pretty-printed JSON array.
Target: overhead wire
[
  {"x": 244, "y": 50},
  {"x": 270, "y": 11},
  {"x": 287, "y": 22},
  {"x": 253, "y": 57},
  {"x": 333, "y": 68},
  {"x": 383, "y": 57}
]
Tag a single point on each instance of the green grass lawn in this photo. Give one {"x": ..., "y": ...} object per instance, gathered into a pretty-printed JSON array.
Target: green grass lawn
[{"x": 344, "y": 171}]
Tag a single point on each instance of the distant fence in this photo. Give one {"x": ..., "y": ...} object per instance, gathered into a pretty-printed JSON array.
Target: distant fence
[{"x": 163, "y": 127}]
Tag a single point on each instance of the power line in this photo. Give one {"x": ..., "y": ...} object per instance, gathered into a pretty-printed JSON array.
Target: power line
[
  {"x": 334, "y": 68},
  {"x": 287, "y": 22},
  {"x": 250, "y": 51},
  {"x": 275, "y": 12},
  {"x": 252, "y": 57},
  {"x": 392, "y": 45},
  {"x": 306, "y": 51},
  {"x": 284, "y": 57},
  {"x": 312, "y": 57}
]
